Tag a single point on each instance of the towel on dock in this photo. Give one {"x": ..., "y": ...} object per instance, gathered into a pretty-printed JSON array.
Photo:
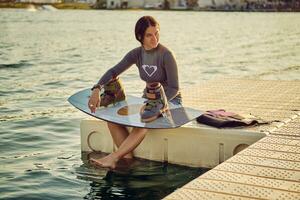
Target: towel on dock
[{"x": 221, "y": 119}]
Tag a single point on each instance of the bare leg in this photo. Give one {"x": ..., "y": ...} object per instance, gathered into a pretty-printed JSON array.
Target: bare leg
[
  {"x": 119, "y": 134},
  {"x": 130, "y": 143}
]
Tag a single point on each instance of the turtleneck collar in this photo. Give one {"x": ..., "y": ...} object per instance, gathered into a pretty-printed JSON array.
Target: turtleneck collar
[{"x": 151, "y": 50}]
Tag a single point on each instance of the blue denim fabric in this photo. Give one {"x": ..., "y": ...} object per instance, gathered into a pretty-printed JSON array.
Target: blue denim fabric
[{"x": 177, "y": 100}]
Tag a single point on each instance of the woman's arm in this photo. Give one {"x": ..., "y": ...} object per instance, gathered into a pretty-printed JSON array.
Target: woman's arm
[{"x": 124, "y": 64}]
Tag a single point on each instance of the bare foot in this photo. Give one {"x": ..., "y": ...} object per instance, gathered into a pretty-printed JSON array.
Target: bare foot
[{"x": 107, "y": 161}]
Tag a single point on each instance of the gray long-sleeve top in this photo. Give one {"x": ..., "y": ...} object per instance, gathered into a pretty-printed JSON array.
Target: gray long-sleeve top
[{"x": 155, "y": 65}]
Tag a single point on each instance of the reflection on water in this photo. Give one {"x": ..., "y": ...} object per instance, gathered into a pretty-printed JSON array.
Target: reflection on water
[
  {"x": 47, "y": 56},
  {"x": 134, "y": 179}
]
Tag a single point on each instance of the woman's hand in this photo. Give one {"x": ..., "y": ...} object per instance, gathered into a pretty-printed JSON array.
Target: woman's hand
[{"x": 94, "y": 101}]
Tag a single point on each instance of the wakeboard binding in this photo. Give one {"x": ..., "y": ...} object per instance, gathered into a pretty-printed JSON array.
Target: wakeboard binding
[
  {"x": 156, "y": 103},
  {"x": 113, "y": 93}
]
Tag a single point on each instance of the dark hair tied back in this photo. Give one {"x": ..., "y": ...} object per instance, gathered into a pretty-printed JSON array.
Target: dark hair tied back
[{"x": 141, "y": 25}]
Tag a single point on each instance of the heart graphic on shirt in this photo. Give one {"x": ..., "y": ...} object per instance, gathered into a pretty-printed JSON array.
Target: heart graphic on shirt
[{"x": 150, "y": 70}]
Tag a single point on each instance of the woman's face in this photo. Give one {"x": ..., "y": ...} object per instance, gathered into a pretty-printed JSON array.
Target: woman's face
[{"x": 151, "y": 37}]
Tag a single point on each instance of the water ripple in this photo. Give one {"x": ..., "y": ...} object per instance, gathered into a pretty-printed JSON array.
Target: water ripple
[{"x": 22, "y": 63}]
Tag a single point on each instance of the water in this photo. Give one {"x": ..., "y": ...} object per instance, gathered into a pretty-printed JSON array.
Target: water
[{"x": 47, "y": 56}]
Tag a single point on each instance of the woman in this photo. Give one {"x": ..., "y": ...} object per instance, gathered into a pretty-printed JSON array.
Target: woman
[{"x": 157, "y": 67}]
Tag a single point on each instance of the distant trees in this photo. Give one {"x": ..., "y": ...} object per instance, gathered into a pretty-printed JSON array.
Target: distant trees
[
  {"x": 99, "y": 4},
  {"x": 166, "y": 5},
  {"x": 192, "y": 3}
]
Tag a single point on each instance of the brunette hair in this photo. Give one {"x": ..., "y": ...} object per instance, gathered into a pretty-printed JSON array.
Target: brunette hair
[{"x": 141, "y": 25}]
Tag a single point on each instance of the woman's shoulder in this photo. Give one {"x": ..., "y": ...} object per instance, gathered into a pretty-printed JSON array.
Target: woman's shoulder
[
  {"x": 136, "y": 50},
  {"x": 164, "y": 50},
  {"x": 134, "y": 53}
]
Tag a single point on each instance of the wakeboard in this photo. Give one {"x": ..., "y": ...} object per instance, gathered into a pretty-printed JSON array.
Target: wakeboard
[{"x": 127, "y": 112}]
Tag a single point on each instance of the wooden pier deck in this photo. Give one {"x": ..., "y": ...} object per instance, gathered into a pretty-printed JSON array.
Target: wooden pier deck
[{"x": 269, "y": 168}]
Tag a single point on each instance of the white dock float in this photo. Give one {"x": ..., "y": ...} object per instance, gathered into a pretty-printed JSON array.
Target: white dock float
[
  {"x": 269, "y": 168},
  {"x": 192, "y": 145}
]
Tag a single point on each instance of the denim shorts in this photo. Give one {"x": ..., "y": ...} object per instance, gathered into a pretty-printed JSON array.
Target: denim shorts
[{"x": 177, "y": 100}]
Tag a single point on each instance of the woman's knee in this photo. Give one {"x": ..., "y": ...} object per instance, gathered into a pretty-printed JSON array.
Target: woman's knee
[
  {"x": 113, "y": 125},
  {"x": 140, "y": 130}
]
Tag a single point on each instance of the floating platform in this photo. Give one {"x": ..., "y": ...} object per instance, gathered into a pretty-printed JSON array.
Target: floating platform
[
  {"x": 260, "y": 162},
  {"x": 191, "y": 145}
]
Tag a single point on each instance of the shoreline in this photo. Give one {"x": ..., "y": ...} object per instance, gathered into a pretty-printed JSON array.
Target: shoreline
[
  {"x": 81, "y": 6},
  {"x": 85, "y": 6}
]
